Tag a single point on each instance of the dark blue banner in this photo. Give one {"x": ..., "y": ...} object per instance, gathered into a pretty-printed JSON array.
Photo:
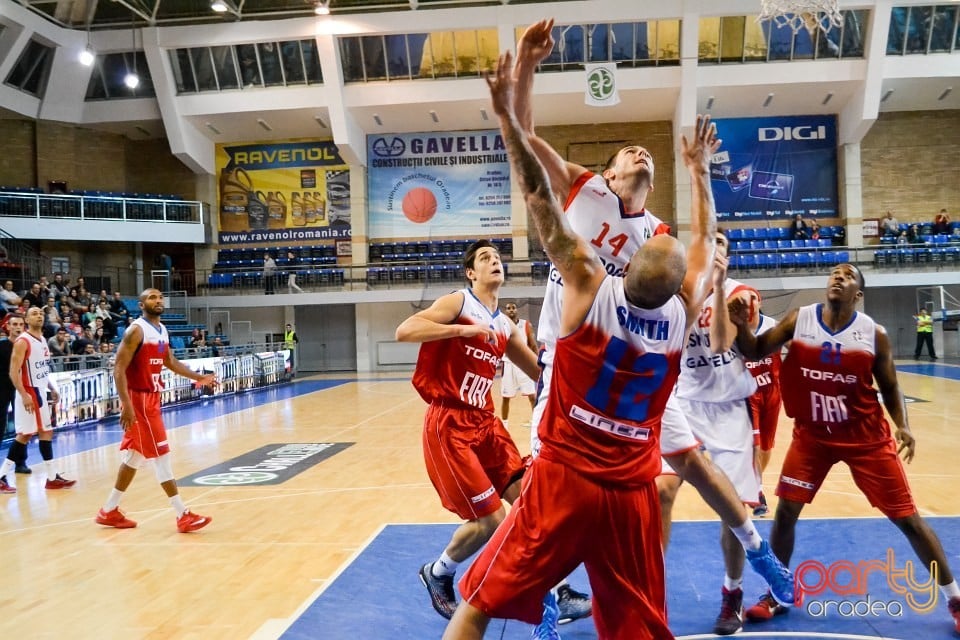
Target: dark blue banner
[
  {"x": 776, "y": 168},
  {"x": 278, "y": 155}
]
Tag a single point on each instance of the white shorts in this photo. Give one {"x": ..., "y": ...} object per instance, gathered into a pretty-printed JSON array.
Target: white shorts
[
  {"x": 546, "y": 375},
  {"x": 676, "y": 436},
  {"x": 726, "y": 431},
  {"x": 29, "y": 424},
  {"x": 515, "y": 381}
]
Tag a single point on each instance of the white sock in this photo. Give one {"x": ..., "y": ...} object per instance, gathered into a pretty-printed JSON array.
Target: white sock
[
  {"x": 51, "y": 470},
  {"x": 444, "y": 566},
  {"x": 950, "y": 590},
  {"x": 177, "y": 503},
  {"x": 114, "y": 500},
  {"x": 748, "y": 535},
  {"x": 506, "y": 424},
  {"x": 732, "y": 584}
]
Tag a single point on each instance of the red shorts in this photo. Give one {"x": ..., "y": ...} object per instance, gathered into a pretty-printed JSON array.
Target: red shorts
[
  {"x": 765, "y": 407},
  {"x": 876, "y": 470},
  {"x": 560, "y": 520},
  {"x": 470, "y": 458},
  {"x": 147, "y": 433}
]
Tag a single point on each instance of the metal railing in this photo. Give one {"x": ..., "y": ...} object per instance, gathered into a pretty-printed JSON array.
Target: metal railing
[{"x": 100, "y": 207}]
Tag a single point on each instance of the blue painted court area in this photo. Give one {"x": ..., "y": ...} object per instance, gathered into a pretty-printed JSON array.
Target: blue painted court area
[
  {"x": 84, "y": 438},
  {"x": 950, "y": 372},
  {"x": 379, "y": 595}
]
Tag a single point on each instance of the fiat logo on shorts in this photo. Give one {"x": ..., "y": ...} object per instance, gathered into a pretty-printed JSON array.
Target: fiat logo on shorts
[{"x": 236, "y": 477}]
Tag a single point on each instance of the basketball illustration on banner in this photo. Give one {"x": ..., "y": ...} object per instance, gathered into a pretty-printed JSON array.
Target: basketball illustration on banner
[{"x": 419, "y": 205}]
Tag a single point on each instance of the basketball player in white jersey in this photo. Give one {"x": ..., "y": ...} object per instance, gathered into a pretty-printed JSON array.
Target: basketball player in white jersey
[
  {"x": 615, "y": 234},
  {"x": 835, "y": 355},
  {"x": 30, "y": 374},
  {"x": 713, "y": 396},
  {"x": 514, "y": 381}
]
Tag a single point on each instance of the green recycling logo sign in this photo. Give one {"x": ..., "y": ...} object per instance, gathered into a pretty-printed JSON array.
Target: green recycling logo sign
[{"x": 601, "y": 85}]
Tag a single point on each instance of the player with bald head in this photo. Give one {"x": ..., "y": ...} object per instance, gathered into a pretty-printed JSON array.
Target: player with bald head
[
  {"x": 617, "y": 358},
  {"x": 143, "y": 353}
]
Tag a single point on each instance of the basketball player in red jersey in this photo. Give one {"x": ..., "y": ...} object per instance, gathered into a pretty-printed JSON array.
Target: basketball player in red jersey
[
  {"x": 610, "y": 212},
  {"x": 617, "y": 359},
  {"x": 143, "y": 353},
  {"x": 471, "y": 459},
  {"x": 765, "y": 406},
  {"x": 835, "y": 354},
  {"x": 30, "y": 374}
]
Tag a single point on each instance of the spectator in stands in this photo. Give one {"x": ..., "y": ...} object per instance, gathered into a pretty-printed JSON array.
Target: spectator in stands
[
  {"x": 197, "y": 339},
  {"x": 99, "y": 337},
  {"x": 71, "y": 324},
  {"x": 889, "y": 225},
  {"x": 269, "y": 273},
  {"x": 216, "y": 346},
  {"x": 118, "y": 310},
  {"x": 90, "y": 362},
  {"x": 34, "y": 295},
  {"x": 51, "y": 317},
  {"x": 903, "y": 238},
  {"x": 60, "y": 343},
  {"x": 45, "y": 291},
  {"x": 59, "y": 288},
  {"x": 9, "y": 298},
  {"x": 80, "y": 344},
  {"x": 292, "y": 268},
  {"x": 69, "y": 302},
  {"x": 798, "y": 228},
  {"x": 941, "y": 224},
  {"x": 840, "y": 237},
  {"x": 102, "y": 312},
  {"x": 84, "y": 301},
  {"x": 913, "y": 234},
  {"x": 814, "y": 230}
]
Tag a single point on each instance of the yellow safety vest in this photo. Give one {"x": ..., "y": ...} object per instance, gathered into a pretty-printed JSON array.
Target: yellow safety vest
[
  {"x": 288, "y": 339},
  {"x": 924, "y": 324}
]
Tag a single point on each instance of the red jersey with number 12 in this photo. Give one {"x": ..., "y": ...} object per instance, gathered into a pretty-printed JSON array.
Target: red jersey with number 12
[
  {"x": 143, "y": 374},
  {"x": 611, "y": 381}
]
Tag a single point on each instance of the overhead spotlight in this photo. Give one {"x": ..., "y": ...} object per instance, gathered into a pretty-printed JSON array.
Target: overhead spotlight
[
  {"x": 710, "y": 103},
  {"x": 887, "y": 95},
  {"x": 945, "y": 93},
  {"x": 220, "y": 6},
  {"x": 322, "y": 8},
  {"x": 87, "y": 56},
  {"x": 132, "y": 80},
  {"x": 769, "y": 99}
]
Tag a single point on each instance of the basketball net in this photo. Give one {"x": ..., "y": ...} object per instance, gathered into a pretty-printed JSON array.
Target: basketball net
[{"x": 802, "y": 14}]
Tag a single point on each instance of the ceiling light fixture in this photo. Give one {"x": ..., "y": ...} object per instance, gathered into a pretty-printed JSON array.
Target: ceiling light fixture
[
  {"x": 219, "y": 6},
  {"x": 320, "y": 121},
  {"x": 766, "y": 103},
  {"x": 710, "y": 103},
  {"x": 263, "y": 124},
  {"x": 483, "y": 114},
  {"x": 322, "y": 8},
  {"x": 87, "y": 56},
  {"x": 376, "y": 118},
  {"x": 132, "y": 80},
  {"x": 209, "y": 125},
  {"x": 434, "y": 116},
  {"x": 827, "y": 98},
  {"x": 887, "y": 95},
  {"x": 945, "y": 93}
]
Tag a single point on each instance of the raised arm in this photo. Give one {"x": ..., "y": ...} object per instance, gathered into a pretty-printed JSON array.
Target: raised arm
[
  {"x": 696, "y": 156},
  {"x": 885, "y": 374},
  {"x": 752, "y": 346},
  {"x": 578, "y": 265},
  {"x": 534, "y": 47},
  {"x": 437, "y": 322}
]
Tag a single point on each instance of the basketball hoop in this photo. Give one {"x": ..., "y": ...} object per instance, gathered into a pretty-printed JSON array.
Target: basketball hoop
[{"x": 802, "y": 14}]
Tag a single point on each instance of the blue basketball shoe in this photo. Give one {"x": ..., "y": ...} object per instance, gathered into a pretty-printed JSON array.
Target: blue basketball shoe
[
  {"x": 547, "y": 629},
  {"x": 772, "y": 570}
]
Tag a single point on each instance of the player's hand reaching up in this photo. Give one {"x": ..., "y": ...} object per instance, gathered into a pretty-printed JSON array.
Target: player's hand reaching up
[
  {"x": 698, "y": 152},
  {"x": 741, "y": 310},
  {"x": 536, "y": 43},
  {"x": 501, "y": 84}
]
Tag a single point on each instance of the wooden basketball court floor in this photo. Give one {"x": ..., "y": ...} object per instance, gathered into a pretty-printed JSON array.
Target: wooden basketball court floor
[{"x": 271, "y": 549}]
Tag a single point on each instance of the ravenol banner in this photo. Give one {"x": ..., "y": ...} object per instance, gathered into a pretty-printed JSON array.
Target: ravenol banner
[
  {"x": 426, "y": 185},
  {"x": 776, "y": 168},
  {"x": 296, "y": 191}
]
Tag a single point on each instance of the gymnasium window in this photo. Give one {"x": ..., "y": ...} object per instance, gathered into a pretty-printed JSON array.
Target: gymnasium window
[
  {"x": 924, "y": 29},
  {"x": 410, "y": 56},
  {"x": 244, "y": 66},
  {"x": 629, "y": 44},
  {"x": 32, "y": 68},
  {"x": 109, "y": 72}
]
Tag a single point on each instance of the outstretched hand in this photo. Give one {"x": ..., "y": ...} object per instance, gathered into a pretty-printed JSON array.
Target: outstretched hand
[
  {"x": 536, "y": 43},
  {"x": 740, "y": 311},
  {"x": 501, "y": 84},
  {"x": 698, "y": 152},
  {"x": 720, "y": 264}
]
